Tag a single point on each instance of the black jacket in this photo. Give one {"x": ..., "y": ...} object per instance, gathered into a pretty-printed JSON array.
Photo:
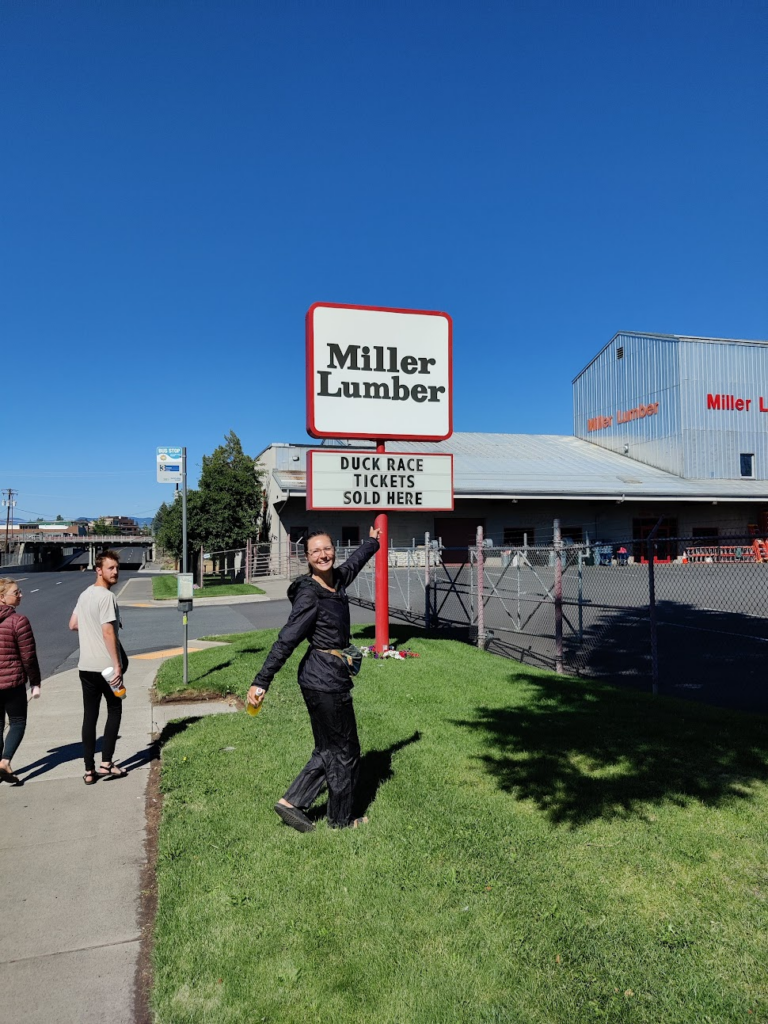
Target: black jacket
[{"x": 322, "y": 617}]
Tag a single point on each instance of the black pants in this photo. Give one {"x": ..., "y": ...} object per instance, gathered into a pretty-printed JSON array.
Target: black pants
[
  {"x": 335, "y": 761},
  {"x": 13, "y": 702},
  {"x": 95, "y": 687}
]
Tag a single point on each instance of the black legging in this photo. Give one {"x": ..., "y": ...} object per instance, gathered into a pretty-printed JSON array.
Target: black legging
[
  {"x": 335, "y": 761},
  {"x": 13, "y": 702},
  {"x": 95, "y": 687}
]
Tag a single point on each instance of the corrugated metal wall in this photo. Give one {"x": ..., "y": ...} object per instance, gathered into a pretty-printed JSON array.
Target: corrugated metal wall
[
  {"x": 686, "y": 433},
  {"x": 611, "y": 387},
  {"x": 714, "y": 438}
]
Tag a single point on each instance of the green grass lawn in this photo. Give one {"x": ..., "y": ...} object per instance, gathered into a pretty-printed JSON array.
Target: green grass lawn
[
  {"x": 165, "y": 588},
  {"x": 540, "y": 850}
]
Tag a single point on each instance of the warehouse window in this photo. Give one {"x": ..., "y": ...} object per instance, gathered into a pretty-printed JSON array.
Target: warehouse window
[
  {"x": 572, "y": 535},
  {"x": 704, "y": 533},
  {"x": 620, "y": 352},
  {"x": 747, "y": 464},
  {"x": 517, "y": 537},
  {"x": 350, "y": 535}
]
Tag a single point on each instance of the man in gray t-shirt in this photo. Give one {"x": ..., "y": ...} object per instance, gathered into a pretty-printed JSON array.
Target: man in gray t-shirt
[
  {"x": 96, "y": 608},
  {"x": 97, "y": 620}
]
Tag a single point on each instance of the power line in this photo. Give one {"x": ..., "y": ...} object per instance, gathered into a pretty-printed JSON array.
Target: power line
[{"x": 9, "y": 503}]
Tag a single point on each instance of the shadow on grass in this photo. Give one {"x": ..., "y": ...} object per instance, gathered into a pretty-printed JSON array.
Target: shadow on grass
[
  {"x": 401, "y": 634},
  {"x": 375, "y": 770},
  {"x": 214, "y": 668},
  {"x": 582, "y": 751}
]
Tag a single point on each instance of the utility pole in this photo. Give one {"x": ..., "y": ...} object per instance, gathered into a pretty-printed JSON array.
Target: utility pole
[{"x": 9, "y": 503}]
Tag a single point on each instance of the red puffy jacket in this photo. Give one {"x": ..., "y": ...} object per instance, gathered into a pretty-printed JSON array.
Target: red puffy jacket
[{"x": 18, "y": 656}]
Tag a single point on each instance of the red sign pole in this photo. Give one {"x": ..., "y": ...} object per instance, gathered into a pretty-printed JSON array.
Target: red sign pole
[{"x": 382, "y": 576}]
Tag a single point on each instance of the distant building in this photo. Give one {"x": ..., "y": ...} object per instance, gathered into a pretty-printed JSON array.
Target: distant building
[
  {"x": 124, "y": 524},
  {"x": 664, "y": 426},
  {"x": 58, "y": 526}
]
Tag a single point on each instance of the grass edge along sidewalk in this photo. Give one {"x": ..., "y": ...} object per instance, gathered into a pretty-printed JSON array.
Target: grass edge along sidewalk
[
  {"x": 540, "y": 849},
  {"x": 165, "y": 588}
]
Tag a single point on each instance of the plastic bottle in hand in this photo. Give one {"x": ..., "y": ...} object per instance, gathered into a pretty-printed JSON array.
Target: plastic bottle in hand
[
  {"x": 119, "y": 689},
  {"x": 255, "y": 710}
]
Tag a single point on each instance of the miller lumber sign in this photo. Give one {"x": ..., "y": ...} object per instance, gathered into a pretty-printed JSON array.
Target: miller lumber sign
[{"x": 379, "y": 373}]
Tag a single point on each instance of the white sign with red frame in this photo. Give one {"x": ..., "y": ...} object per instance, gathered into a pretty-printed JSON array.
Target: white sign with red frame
[
  {"x": 343, "y": 479},
  {"x": 379, "y": 373}
]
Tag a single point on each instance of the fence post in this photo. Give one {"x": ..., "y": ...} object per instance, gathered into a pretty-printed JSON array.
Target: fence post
[
  {"x": 480, "y": 590},
  {"x": 427, "y": 616},
  {"x": 408, "y": 576},
  {"x": 202, "y": 566},
  {"x": 652, "y": 607},
  {"x": 558, "y": 599},
  {"x": 248, "y": 556},
  {"x": 581, "y": 599},
  {"x": 435, "y": 616}
]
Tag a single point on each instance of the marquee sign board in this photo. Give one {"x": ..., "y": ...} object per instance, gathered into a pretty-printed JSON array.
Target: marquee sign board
[
  {"x": 342, "y": 479},
  {"x": 379, "y": 373}
]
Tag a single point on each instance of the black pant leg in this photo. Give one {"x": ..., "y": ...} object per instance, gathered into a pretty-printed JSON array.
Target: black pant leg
[
  {"x": 310, "y": 782},
  {"x": 94, "y": 688},
  {"x": 338, "y": 748},
  {"x": 343, "y": 762},
  {"x": 112, "y": 725},
  {"x": 13, "y": 702},
  {"x": 89, "y": 681}
]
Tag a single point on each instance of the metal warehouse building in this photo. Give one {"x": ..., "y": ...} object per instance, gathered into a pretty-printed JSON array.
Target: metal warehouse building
[{"x": 664, "y": 426}]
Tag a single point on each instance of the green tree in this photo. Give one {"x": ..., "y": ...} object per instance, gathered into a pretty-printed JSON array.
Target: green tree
[
  {"x": 167, "y": 524},
  {"x": 224, "y": 511},
  {"x": 102, "y": 528},
  {"x": 230, "y": 497}
]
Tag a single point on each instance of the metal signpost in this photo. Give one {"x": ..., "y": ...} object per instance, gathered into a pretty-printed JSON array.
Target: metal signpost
[
  {"x": 389, "y": 373},
  {"x": 185, "y": 594},
  {"x": 172, "y": 469}
]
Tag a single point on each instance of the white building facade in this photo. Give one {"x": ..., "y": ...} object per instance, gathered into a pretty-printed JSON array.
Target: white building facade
[{"x": 665, "y": 427}]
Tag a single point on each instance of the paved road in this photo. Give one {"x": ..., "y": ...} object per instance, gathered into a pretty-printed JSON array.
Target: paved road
[
  {"x": 47, "y": 600},
  {"x": 49, "y": 597}
]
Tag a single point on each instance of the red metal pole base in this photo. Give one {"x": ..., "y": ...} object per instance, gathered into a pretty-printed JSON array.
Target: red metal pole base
[
  {"x": 382, "y": 585},
  {"x": 382, "y": 578}
]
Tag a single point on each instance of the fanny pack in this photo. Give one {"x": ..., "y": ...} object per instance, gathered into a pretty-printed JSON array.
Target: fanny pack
[{"x": 351, "y": 656}]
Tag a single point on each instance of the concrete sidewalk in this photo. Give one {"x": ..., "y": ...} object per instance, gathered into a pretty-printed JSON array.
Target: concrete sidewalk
[{"x": 72, "y": 858}]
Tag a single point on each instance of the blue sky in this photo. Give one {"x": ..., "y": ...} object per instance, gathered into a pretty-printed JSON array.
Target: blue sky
[{"x": 181, "y": 180}]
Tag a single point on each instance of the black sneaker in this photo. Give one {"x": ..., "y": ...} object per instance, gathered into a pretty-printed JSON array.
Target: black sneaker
[{"x": 295, "y": 818}]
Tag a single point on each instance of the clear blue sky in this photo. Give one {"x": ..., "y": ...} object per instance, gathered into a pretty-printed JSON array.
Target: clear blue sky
[{"x": 182, "y": 179}]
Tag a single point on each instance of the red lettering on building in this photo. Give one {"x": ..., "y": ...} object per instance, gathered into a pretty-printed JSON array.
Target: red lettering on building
[
  {"x": 599, "y": 423},
  {"x": 638, "y": 413},
  {"x": 729, "y": 403}
]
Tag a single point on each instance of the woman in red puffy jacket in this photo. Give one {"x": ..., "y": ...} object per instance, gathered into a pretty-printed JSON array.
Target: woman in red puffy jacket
[{"x": 18, "y": 665}]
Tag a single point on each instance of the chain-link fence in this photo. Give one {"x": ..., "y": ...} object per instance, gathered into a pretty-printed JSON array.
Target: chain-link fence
[{"x": 689, "y": 622}]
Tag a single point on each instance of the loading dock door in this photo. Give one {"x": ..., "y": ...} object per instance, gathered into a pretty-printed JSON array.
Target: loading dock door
[{"x": 457, "y": 535}]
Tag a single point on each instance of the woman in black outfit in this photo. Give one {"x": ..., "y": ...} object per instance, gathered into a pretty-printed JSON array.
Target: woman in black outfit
[{"x": 320, "y": 615}]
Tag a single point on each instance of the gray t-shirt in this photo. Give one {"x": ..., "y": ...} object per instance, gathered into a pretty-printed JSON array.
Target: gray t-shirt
[{"x": 95, "y": 607}]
